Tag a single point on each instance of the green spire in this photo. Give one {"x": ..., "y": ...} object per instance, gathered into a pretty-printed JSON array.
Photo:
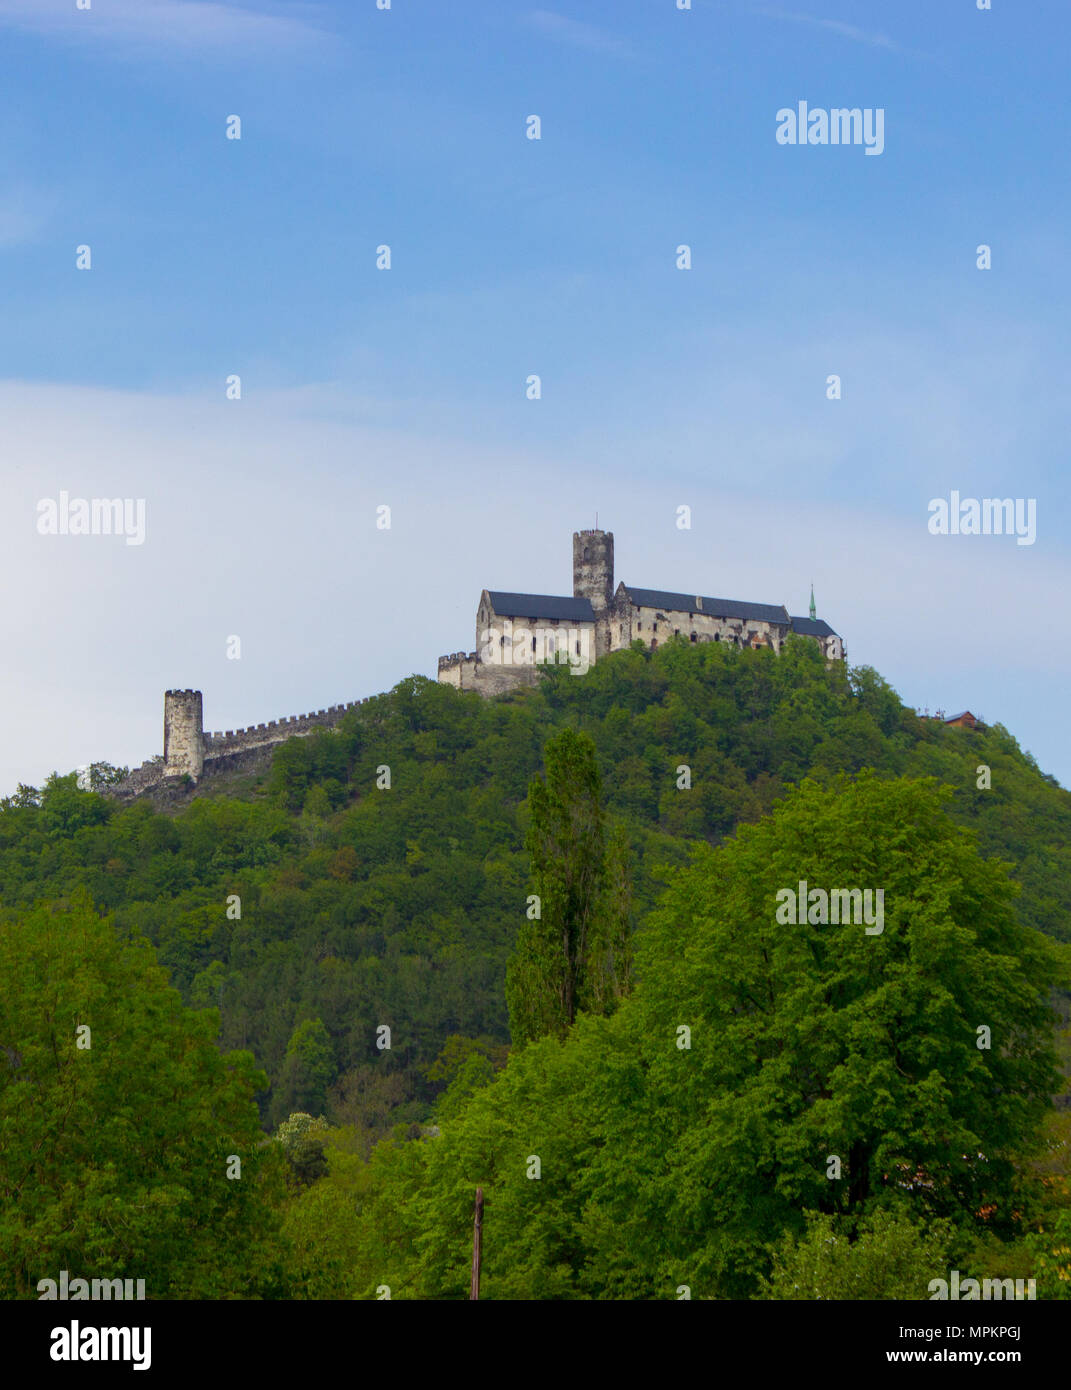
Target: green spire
[{"x": 814, "y": 612}]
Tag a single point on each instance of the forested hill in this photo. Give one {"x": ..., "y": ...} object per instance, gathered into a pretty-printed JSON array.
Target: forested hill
[{"x": 363, "y": 905}]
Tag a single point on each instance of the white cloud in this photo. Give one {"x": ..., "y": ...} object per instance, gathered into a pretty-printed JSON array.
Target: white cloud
[
  {"x": 202, "y": 25},
  {"x": 577, "y": 34},
  {"x": 837, "y": 26}
]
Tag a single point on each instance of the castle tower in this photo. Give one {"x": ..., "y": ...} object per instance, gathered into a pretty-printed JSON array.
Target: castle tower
[
  {"x": 593, "y": 578},
  {"x": 184, "y": 738}
]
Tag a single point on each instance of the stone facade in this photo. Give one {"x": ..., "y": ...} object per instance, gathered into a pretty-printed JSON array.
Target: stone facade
[{"x": 515, "y": 631}]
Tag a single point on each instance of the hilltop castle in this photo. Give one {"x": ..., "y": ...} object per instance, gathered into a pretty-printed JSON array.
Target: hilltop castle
[
  {"x": 513, "y": 633},
  {"x": 516, "y": 631}
]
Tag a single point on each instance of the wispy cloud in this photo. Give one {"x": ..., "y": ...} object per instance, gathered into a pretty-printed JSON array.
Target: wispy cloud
[
  {"x": 577, "y": 34},
  {"x": 204, "y": 25},
  {"x": 23, "y": 214},
  {"x": 837, "y": 26}
]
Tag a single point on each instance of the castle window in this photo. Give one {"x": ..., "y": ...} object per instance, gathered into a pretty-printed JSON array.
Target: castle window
[
  {"x": 654, "y": 643},
  {"x": 533, "y": 641},
  {"x": 676, "y": 632},
  {"x": 695, "y": 637},
  {"x": 578, "y": 648}
]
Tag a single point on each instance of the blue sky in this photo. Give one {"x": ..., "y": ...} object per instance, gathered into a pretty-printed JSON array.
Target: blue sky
[{"x": 407, "y": 387}]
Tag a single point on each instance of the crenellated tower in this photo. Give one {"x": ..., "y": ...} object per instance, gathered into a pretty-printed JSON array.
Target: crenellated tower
[{"x": 184, "y": 735}]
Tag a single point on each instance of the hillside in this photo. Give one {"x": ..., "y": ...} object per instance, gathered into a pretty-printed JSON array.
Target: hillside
[{"x": 363, "y": 906}]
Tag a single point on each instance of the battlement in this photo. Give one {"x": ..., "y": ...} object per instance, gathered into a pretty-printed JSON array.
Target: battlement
[{"x": 275, "y": 730}]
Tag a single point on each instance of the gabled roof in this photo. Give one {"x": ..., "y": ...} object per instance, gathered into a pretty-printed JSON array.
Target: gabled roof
[
  {"x": 951, "y": 719},
  {"x": 715, "y": 607},
  {"x": 812, "y": 627},
  {"x": 577, "y": 610}
]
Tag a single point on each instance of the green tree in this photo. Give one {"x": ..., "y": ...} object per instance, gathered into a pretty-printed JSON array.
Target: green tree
[
  {"x": 810, "y": 1040},
  {"x": 121, "y": 1125},
  {"x": 890, "y": 1256},
  {"x": 308, "y": 1070},
  {"x": 302, "y": 1138},
  {"x": 575, "y": 955}
]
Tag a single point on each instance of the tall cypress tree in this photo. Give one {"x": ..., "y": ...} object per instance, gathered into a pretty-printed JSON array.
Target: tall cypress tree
[{"x": 575, "y": 954}]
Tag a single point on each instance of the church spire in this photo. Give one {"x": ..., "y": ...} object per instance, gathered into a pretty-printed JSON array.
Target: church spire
[{"x": 814, "y": 612}]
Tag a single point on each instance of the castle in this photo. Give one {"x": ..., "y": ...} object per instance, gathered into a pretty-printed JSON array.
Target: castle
[
  {"x": 516, "y": 631},
  {"x": 513, "y": 633}
]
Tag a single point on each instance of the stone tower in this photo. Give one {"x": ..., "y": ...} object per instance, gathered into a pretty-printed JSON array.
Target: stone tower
[
  {"x": 593, "y": 578},
  {"x": 184, "y": 738}
]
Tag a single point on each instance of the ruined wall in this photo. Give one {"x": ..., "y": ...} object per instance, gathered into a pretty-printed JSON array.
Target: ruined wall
[{"x": 467, "y": 672}]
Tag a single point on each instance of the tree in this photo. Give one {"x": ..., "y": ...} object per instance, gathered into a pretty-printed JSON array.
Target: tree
[
  {"x": 889, "y": 1257},
  {"x": 122, "y": 1128},
  {"x": 575, "y": 954},
  {"x": 302, "y": 1139},
  {"x": 811, "y": 1041},
  {"x": 308, "y": 1070}
]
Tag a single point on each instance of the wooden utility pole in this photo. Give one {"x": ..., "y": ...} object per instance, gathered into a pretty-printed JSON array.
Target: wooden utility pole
[{"x": 477, "y": 1229}]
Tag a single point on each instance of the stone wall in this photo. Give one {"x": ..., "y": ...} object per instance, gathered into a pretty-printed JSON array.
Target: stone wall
[
  {"x": 467, "y": 672},
  {"x": 276, "y": 731}
]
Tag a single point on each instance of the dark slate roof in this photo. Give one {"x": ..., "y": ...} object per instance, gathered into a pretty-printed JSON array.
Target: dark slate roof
[
  {"x": 812, "y": 627},
  {"x": 577, "y": 610},
  {"x": 715, "y": 607}
]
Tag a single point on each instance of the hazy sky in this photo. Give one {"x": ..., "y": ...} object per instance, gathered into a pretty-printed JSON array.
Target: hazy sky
[{"x": 510, "y": 257}]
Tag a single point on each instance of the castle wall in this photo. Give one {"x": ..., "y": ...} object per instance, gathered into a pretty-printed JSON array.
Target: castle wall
[
  {"x": 467, "y": 672},
  {"x": 526, "y": 640},
  {"x": 661, "y": 624},
  {"x": 276, "y": 731}
]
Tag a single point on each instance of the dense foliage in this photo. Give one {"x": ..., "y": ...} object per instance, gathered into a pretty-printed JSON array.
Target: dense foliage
[{"x": 305, "y": 913}]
